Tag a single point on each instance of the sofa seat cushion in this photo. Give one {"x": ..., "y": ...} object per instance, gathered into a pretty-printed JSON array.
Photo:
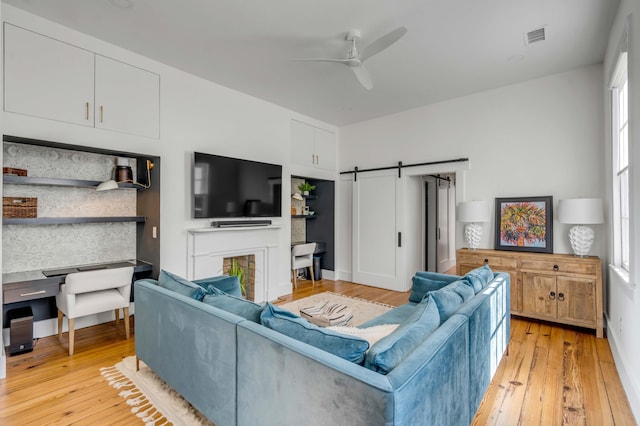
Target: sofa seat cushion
[
  {"x": 235, "y": 305},
  {"x": 348, "y": 347},
  {"x": 479, "y": 277},
  {"x": 180, "y": 285},
  {"x": 395, "y": 316},
  {"x": 389, "y": 351},
  {"x": 227, "y": 283},
  {"x": 425, "y": 281}
]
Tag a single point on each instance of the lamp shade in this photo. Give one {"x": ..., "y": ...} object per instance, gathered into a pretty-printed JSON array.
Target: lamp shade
[
  {"x": 582, "y": 211},
  {"x": 473, "y": 211}
]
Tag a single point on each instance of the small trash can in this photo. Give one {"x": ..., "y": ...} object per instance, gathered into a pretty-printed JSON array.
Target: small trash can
[
  {"x": 20, "y": 330},
  {"x": 317, "y": 267}
]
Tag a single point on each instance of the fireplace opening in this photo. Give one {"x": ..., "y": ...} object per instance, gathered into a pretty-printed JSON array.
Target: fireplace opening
[{"x": 245, "y": 267}]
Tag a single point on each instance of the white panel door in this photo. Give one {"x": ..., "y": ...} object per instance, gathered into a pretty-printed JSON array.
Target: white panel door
[
  {"x": 127, "y": 98},
  {"x": 47, "y": 78},
  {"x": 377, "y": 197}
]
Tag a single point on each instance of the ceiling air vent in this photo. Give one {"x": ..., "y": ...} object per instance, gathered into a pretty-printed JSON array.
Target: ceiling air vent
[{"x": 535, "y": 36}]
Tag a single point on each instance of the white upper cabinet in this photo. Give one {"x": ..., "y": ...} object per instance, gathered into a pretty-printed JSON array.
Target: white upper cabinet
[
  {"x": 127, "y": 98},
  {"x": 47, "y": 78},
  {"x": 50, "y": 79},
  {"x": 312, "y": 146}
]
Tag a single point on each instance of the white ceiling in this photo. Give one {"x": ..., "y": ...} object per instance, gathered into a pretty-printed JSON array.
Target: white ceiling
[{"x": 453, "y": 47}]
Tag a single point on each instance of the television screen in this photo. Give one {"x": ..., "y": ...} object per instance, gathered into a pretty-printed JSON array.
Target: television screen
[{"x": 225, "y": 187}]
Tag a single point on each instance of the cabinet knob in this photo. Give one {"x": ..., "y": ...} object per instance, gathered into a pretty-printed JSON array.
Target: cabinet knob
[
  {"x": 552, "y": 295},
  {"x": 555, "y": 267},
  {"x": 561, "y": 297},
  {"x": 486, "y": 261}
]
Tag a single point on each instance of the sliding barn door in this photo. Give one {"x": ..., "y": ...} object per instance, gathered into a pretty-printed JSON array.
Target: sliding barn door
[{"x": 377, "y": 200}]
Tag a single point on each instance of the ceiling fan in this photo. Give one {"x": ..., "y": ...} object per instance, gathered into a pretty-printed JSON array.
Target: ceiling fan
[{"x": 356, "y": 58}]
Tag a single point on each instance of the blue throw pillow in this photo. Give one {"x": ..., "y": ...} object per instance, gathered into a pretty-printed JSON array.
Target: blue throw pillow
[
  {"x": 345, "y": 346},
  {"x": 180, "y": 285},
  {"x": 479, "y": 277},
  {"x": 449, "y": 299},
  {"x": 235, "y": 305},
  {"x": 389, "y": 351},
  {"x": 425, "y": 281},
  {"x": 227, "y": 283}
]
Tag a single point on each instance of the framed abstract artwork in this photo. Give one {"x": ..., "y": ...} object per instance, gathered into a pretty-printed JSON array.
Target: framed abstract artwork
[{"x": 524, "y": 224}]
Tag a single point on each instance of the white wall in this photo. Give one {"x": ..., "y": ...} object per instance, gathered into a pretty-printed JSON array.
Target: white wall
[
  {"x": 541, "y": 137},
  {"x": 622, "y": 306},
  {"x": 196, "y": 115}
]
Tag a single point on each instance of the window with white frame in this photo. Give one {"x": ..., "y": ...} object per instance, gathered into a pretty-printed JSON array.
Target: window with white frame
[{"x": 620, "y": 159}]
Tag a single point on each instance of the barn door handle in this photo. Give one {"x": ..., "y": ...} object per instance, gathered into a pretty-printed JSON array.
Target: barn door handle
[{"x": 399, "y": 239}]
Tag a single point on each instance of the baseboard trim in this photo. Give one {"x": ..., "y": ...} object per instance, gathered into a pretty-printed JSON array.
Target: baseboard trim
[{"x": 629, "y": 384}]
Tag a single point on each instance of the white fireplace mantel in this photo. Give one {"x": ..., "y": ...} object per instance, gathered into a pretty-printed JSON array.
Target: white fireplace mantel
[{"x": 207, "y": 248}]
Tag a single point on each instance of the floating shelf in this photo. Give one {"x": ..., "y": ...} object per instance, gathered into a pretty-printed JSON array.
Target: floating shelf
[
  {"x": 71, "y": 220},
  {"x": 78, "y": 183}
]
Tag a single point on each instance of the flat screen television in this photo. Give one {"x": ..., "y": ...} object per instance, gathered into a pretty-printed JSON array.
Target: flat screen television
[{"x": 225, "y": 187}]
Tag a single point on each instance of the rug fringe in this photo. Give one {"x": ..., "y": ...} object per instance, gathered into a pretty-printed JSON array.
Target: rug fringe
[{"x": 134, "y": 397}]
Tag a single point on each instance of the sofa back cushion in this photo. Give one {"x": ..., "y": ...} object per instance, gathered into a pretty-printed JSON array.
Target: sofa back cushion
[
  {"x": 227, "y": 283},
  {"x": 449, "y": 298},
  {"x": 479, "y": 277},
  {"x": 180, "y": 285},
  {"x": 389, "y": 351},
  {"x": 347, "y": 347},
  {"x": 235, "y": 305},
  {"x": 425, "y": 281}
]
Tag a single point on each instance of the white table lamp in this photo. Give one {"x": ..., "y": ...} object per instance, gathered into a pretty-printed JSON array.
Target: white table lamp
[
  {"x": 472, "y": 213},
  {"x": 581, "y": 212}
]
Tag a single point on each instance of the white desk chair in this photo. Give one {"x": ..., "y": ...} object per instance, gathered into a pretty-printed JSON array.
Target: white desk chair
[
  {"x": 92, "y": 292},
  {"x": 302, "y": 257}
]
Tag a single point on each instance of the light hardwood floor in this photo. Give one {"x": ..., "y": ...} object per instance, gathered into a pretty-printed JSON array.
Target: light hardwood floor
[{"x": 552, "y": 376}]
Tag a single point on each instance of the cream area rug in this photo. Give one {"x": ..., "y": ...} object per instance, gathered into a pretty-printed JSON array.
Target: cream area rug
[
  {"x": 363, "y": 310},
  {"x": 150, "y": 398}
]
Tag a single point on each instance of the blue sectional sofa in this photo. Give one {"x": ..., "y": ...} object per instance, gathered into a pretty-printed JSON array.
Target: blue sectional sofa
[{"x": 432, "y": 370}]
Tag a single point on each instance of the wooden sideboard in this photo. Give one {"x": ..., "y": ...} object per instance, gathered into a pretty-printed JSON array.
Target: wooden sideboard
[{"x": 561, "y": 288}]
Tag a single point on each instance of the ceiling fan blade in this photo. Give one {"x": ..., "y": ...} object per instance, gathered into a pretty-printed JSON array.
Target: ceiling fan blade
[
  {"x": 363, "y": 76},
  {"x": 382, "y": 43},
  {"x": 342, "y": 61}
]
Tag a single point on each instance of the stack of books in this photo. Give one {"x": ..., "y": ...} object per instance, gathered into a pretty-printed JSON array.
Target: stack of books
[{"x": 327, "y": 314}]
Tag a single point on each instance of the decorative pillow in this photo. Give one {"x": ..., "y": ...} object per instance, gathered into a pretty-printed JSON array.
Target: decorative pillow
[
  {"x": 235, "y": 305},
  {"x": 227, "y": 283},
  {"x": 385, "y": 355},
  {"x": 370, "y": 334},
  {"x": 424, "y": 282},
  {"x": 479, "y": 277},
  {"x": 290, "y": 324},
  {"x": 463, "y": 288},
  {"x": 449, "y": 299},
  {"x": 180, "y": 285}
]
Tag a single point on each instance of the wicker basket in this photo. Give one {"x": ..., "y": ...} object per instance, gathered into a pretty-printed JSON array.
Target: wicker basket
[
  {"x": 19, "y": 207},
  {"x": 13, "y": 171}
]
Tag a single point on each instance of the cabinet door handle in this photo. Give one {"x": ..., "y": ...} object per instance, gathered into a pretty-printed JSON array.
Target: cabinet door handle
[
  {"x": 486, "y": 261},
  {"x": 561, "y": 297},
  {"x": 33, "y": 293},
  {"x": 552, "y": 295},
  {"x": 556, "y": 267},
  {"x": 86, "y": 110},
  {"x": 101, "y": 113}
]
